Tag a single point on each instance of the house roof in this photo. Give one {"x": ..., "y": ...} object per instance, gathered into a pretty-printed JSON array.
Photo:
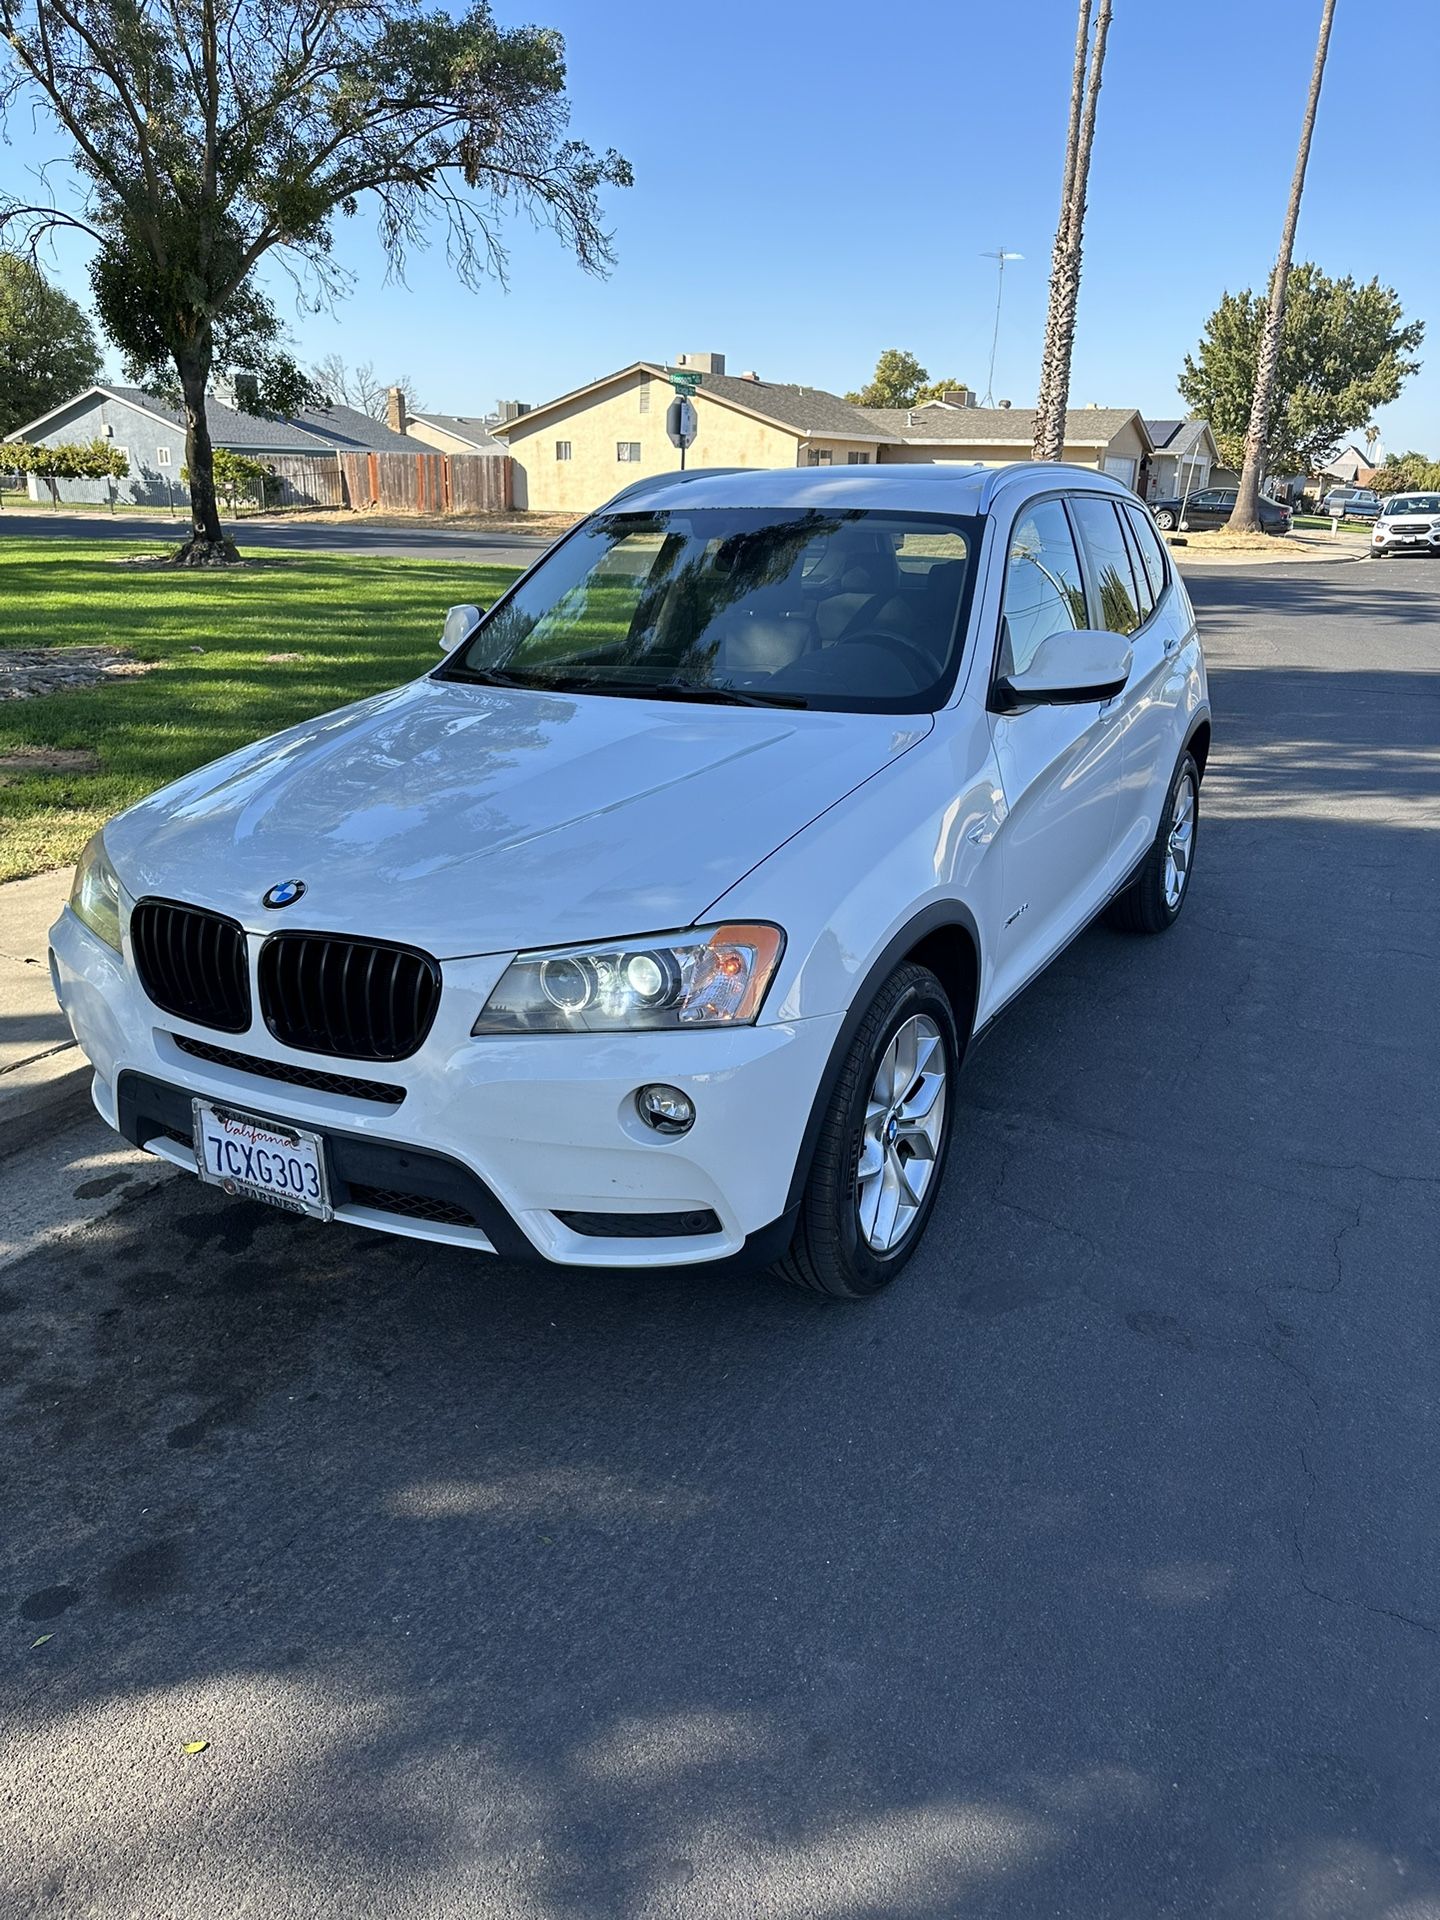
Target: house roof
[
  {"x": 313, "y": 430},
  {"x": 806, "y": 411},
  {"x": 935, "y": 422},
  {"x": 474, "y": 427},
  {"x": 1177, "y": 436}
]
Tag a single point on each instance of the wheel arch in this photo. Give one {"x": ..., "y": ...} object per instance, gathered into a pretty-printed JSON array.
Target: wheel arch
[
  {"x": 942, "y": 937},
  {"x": 1197, "y": 742}
]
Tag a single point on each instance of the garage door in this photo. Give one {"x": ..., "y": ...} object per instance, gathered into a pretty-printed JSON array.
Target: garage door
[{"x": 1120, "y": 469}]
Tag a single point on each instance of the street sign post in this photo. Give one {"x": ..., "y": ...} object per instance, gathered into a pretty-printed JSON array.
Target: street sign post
[{"x": 680, "y": 422}]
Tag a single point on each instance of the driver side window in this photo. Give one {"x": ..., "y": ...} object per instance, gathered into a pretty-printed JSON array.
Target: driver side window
[{"x": 1044, "y": 590}]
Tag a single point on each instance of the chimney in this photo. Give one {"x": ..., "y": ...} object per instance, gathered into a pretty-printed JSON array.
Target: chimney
[
  {"x": 959, "y": 396},
  {"x": 750, "y": 374},
  {"x": 702, "y": 362},
  {"x": 245, "y": 392},
  {"x": 396, "y": 417}
]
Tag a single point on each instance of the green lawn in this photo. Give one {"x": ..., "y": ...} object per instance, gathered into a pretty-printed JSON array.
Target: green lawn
[{"x": 358, "y": 625}]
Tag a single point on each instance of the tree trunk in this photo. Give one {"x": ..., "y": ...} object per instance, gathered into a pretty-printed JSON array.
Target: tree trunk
[
  {"x": 1054, "y": 393},
  {"x": 1044, "y": 398},
  {"x": 207, "y": 545},
  {"x": 1246, "y": 516}
]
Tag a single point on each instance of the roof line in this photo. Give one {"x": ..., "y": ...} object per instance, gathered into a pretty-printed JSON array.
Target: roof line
[{"x": 110, "y": 393}]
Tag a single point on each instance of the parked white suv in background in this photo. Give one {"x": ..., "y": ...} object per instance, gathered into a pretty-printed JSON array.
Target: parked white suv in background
[
  {"x": 654, "y": 924},
  {"x": 1408, "y": 523}
]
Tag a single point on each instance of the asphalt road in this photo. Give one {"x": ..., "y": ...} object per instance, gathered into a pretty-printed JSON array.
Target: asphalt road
[
  {"x": 294, "y": 536},
  {"x": 1094, "y": 1571}
]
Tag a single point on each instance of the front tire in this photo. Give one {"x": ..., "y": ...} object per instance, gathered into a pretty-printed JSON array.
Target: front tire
[
  {"x": 881, "y": 1152},
  {"x": 1153, "y": 900},
  {"x": 1165, "y": 520}
]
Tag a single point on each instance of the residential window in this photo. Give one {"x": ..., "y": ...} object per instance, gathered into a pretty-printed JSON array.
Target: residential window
[
  {"x": 644, "y": 396},
  {"x": 818, "y": 457},
  {"x": 627, "y": 450},
  {"x": 1044, "y": 592},
  {"x": 857, "y": 459},
  {"x": 162, "y": 456},
  {"x": 562, "y": 449},
  {"x": 1109, "y": 562}
]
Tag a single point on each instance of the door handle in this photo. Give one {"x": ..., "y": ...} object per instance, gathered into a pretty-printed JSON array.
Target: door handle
[{"x": 1172, "y": 646}]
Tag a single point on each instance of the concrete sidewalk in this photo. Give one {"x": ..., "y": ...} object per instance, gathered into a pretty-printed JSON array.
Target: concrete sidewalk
[{"x": 42, "y": 1072}]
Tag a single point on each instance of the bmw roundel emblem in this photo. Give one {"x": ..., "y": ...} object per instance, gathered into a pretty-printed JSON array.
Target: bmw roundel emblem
[{"x": 285, "y": 894}]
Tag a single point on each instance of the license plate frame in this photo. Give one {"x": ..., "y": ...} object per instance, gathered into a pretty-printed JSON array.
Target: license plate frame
[{"x": 239, "y": 1128}]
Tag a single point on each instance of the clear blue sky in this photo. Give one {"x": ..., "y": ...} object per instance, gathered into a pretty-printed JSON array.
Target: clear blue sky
[{"x": 817, "y": 179}]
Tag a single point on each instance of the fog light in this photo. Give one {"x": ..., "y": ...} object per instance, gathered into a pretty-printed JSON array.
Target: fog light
[{"x": 666, "y": 1109}]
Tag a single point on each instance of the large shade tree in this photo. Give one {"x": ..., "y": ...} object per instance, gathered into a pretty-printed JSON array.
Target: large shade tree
[
  {"x": 47, "y": 345},
  {"x": 1344, "y": 349},
  {"x": 213, "y": 137}
]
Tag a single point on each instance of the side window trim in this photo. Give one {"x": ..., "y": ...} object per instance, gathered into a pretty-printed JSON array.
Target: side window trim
[
  {"x": 1167, "y": 571},
  {"x": 1093, "y": 598},
  {"x": 1139, "y": 572}
]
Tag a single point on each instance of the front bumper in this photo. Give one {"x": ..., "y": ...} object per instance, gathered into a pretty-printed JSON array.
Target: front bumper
[
  {"x": 1405, "y": 542},
  {"x": 544, "y": 1125}
]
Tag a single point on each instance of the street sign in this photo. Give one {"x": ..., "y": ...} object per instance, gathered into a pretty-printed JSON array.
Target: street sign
[
  {"x": 680, "y": 423},
  {"x": 682, "y": 379}
]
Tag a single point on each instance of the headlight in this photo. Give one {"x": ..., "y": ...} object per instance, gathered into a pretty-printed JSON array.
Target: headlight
[
  {"x": 701, "y": 977},
  {"x": 95, "y": 893}
]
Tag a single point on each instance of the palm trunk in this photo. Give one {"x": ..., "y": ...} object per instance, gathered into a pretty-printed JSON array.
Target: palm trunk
[
  {"x": 207, "y": 545},
  {"x": 1246, "y": 516},
  {"x": 1054, "y": 393}
]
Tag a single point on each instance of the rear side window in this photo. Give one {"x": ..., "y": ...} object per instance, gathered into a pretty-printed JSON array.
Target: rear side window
[
  {"x": 1044, "y": 589},
  {"x": 1109, "y": 562},
  {"x": 1144, "y": 592},
  {"x": 1152, "y": 554}
]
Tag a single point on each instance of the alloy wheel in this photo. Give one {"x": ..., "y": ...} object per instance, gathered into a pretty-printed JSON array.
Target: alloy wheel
[
  {"x": 1180, "y": 842},
  {"x": 902, "y": 1133}
]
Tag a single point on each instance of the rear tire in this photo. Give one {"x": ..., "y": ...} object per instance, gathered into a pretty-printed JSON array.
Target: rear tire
[
  {"x": 892, "y": 1107},
  {"x": 1153, "y": 900}
]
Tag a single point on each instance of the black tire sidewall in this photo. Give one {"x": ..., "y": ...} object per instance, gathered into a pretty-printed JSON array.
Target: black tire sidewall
[
  {"x": 867, "y": 1271},
  {"x": 1166, "y": 914}
]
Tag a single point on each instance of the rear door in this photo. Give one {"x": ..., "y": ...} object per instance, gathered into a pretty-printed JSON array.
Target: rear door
[
  {"x": 1155, "y": 698},
  {"x": 1202, "y": 509},
  {"x": 1060, "y": 766}
]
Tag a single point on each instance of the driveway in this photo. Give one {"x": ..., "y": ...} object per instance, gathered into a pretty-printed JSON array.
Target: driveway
[
  {"x": 1093, "y": 1572},
  {"x": 294, "y": 536}
]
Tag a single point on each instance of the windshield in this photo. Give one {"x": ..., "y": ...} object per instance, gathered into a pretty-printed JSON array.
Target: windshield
[
  {"x": 840, "y": 609},
  {"x": 1412, "y": 503}
]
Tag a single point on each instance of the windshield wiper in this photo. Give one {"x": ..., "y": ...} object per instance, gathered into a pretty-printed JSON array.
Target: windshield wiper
[
  {"x": 716, "y": 696},
  {"x": 491, "y": 677}
]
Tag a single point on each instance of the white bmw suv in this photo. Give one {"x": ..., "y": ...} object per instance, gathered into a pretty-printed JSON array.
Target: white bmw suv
[{"x": 652, "y": 927}]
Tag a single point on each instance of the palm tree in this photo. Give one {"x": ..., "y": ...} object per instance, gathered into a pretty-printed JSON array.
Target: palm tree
[
  {"x": 1049, "y": 439},
  {"x": 1246, "y": 517}
]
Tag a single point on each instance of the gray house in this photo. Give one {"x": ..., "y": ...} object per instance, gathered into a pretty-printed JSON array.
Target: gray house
[
  {"x": 1184, "y": 458},
  {"x": 152, "y": 436}
]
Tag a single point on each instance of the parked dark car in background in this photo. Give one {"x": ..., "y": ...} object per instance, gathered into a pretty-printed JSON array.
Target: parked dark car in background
[{"x": 1212, "y": 507}]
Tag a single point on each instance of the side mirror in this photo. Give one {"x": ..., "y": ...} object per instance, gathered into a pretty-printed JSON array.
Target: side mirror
[
  {"x": 1068, "y": 670},
  {"x": 460, "y": 623}
]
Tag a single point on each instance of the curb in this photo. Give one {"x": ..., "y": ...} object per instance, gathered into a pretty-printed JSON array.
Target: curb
[{"x": 38, "y": 1098}]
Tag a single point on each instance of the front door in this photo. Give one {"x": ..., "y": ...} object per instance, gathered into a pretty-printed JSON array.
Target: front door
[{"x": 1059, "y": 765}]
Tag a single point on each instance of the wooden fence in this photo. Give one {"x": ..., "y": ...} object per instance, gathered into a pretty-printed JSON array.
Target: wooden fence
[
  {"x": 401, "y": 482},
  {"x": 429, "y": 482}
]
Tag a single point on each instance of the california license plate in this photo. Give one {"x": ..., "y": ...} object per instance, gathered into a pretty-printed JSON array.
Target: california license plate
[{"x": 284, "y": 1166}]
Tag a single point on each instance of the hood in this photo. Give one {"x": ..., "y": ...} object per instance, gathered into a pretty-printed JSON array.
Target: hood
[{"x": 471, "y": 820}]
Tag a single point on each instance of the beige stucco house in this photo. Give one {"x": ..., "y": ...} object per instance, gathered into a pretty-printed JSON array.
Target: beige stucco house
[
  {"x": 574, "y": 452},
  {"x": 1113, "y": 439}
]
